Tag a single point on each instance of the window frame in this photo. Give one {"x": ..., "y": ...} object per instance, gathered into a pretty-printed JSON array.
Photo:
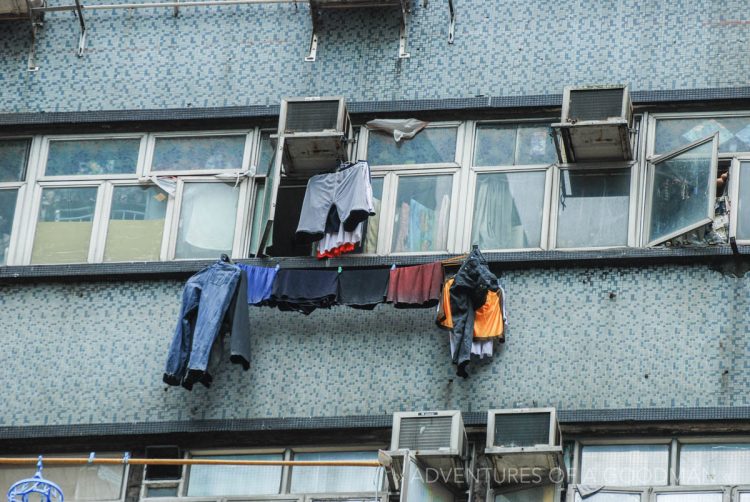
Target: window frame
[
  {"x": 642, "y": 492},
  {"x": 44, "y": 157},
  {"x": 474, "y": 171},
  {"x": 240, "y": 241},
  {"x": 734, "y": 196},
  {"x": 723, "y": 489},
  {"x": 597, "y": 166},
  {"x": 650, "y": 173},
  {"x": 251, "y": 137},
  {"x": 393, "y": 172}
]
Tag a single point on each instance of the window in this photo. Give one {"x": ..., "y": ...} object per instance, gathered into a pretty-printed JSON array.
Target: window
[
  {"x": 610, "y": 496},
  {"x": 14, "y": 157},
  {"x": 674, "y": 132},
  {"x": 136, "y": 224},
  {"x": 7, "y": 212},
  {"x": 714, "y": 464},
  {"x": 625, "y": 465},
  {"x": 64, "y": 225},
  {"x": 433, "y": 145},
  {"x": 535, "y": 494},
  {"x": 100, "y": 483},
  {"x": 689, "y": 496},
  {"x": 422, "y": 214},
  {"x": 230, "y": 480},
  {"x": 682, "y": 190},
  {"x": 198, "y": 153},
  {"x": 92, "y": 157},
  {"x": 207, "y": 220},
  {"x": 514, "y": 144},
  {"x": 593, "y": 208},
  {"x": 370, "y": 244},
  {"x": 335, "y": 479},
  {"x": 741, "y": 202}
]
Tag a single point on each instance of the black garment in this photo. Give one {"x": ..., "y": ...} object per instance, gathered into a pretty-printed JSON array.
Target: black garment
[
  {"x": 305, "y": 290},
  {"x": 363, "y": 289},
  {"x": 468, "y": 293},
  {"x": 239, "y": 317}
]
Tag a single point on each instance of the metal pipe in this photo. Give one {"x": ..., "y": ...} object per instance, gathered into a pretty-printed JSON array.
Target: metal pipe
[
  {"x": 149, "y": 5},
  {"x": 185, "y": 461}
]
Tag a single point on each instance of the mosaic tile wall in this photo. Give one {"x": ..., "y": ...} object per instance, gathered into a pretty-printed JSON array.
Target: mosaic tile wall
[
  {"x": 672, "y": 337},
  {"x": 254, "y": 54}
]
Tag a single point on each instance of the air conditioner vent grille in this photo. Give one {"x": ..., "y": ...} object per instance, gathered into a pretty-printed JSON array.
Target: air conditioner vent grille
[
  {"x": 312, "y": 116},
  {"x": 595, "y": 104},
  {"x": 521, "y": 429},
  {"x": 425, "y": 433}
]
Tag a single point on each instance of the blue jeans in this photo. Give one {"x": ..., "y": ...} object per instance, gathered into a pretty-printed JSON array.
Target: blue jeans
[{"x": 205, "y": 300}]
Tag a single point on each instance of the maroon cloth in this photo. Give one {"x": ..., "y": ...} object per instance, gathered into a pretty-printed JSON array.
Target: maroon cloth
[{"x": 415, "y": 287}]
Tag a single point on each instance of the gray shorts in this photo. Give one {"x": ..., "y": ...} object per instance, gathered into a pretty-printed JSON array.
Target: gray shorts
[{"x": 348, "y": 190}]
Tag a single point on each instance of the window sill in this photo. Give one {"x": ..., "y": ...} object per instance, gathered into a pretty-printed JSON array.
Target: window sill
[{"x": 500, "y": 260}]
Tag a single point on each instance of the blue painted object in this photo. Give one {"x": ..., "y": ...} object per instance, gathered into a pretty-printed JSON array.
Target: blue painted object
[{"x": 47, "y": 490}]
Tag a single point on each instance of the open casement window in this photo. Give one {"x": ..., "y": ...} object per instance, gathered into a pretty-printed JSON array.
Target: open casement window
[
  {"x": 681, "y": 190},
  {"x": 739, "y": 190},
  {"x": 267, "y": 207}
]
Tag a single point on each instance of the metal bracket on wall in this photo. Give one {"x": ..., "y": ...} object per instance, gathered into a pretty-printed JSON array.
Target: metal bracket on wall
[
  {"x": 402, "y": 54},
  {"x": 452, "y": 26},
  {"x": 82, "y": 36},
  {"x": 31, "y": 61},
  {"x": 314, "y": 37}
]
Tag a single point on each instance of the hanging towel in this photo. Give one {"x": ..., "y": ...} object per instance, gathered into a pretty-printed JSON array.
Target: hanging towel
[
  {"x": 304, "y": 290},
  {"x": 363, "y": 289},
  {"x": 415, "y": 287}
]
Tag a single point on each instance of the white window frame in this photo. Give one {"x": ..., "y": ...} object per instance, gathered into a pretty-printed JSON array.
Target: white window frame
[
  {"x": 475, "y": 171},
  {"x": 107, "y": 194},
  {"x": 598, "y": 166},
  {"x": 724, "y": 490},
  {"x": 391, "y": 175},
  {"x": 241, "y": 223},
  {"x": 259, "y": 131},
  {"x": 649, "y": 184},
  {"x": 734, "y": 196},
  {"x": 44, "y": 157},
  {"x": 251, "y": 137},
  {"x": 653, "y": 118},
  {"x": 739, "y": 490},
  {"x": 36, "y": 203}
]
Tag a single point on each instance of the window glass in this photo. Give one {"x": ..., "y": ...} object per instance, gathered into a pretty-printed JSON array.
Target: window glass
[
  {"x": 593, "y": 208},
  {"x": 435, "y": 145},
  {"x": 745, "y": 497},
  {"x": 370, "y": 245},
  {"x": 136, "y": 224},
  {"x": 92, "y": 157},
  {"x": 734, "y": 133},
  {"x": 7, "y": 211},
  {"x": 610, "y": 497},
  {"x": 207, "y": 218},
  {"x": 715, "y": 464},
  {"x": 743, "y": 204},
  {"x": 100, "y": 483},
  {"x": 201, "y": 152},
  {"x": 536, "y": 494},
  {"x": 508, "y": 210},
  {"x": 14, "y": 156},
  {"x": 625, "y": 465},
  {"x": 680, "y": 192},
  {"x": 422, "y": 213},
  {"x": 689, "y": 497},
  {"x": 63, "y": 231},
  {"x": 505, "y": 144},
  {"x": 265, "y": 157},
  {"x": 226, "y": 480},
  {"x": 327, "y": 479},
  {"x": 156, "y": 491}
]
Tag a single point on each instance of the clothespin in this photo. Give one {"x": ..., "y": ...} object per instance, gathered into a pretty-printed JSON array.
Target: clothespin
[
  {"x": 91, "y": 457},
  {"x": 278, "y": 266},
  {"x": 393, "y": 267},
  {"x": 340, "y": 270},
  {"x": 126, "y": 458}
]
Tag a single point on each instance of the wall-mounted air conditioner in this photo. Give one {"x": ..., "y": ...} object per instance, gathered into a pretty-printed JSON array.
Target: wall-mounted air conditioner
[
  {"x": 436, "y": 439},
  {"x": 18, "y": 9},
  {"x": 316, "y": 134},
  {"x": 524, "y": 438},
  {"x": 596, "y": 124}
]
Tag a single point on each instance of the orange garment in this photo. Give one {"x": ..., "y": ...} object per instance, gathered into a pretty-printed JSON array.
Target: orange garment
[{"x": 488, "y": 320}]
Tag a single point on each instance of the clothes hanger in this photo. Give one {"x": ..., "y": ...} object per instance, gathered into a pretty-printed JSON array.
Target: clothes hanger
[{"x": 225, "y": 258}]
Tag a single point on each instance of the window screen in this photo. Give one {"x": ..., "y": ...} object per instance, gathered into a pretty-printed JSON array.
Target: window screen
[
  {"x": 435, "y": 145},
  {"x": 325, "y": 479},
  {"x": 92, "y": 157},
  {"x": 226, "y": 480},
  {"x": 715, "y": 464}
]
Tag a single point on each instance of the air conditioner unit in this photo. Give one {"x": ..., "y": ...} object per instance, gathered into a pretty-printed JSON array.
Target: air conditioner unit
[
  {"x": 18, "y": 9},
  {"x": 595, "y": 124},
  {"x": 525, "y": 438},
  {"x": 436, "y": 439},
  {"x": 316, "y": 134}
]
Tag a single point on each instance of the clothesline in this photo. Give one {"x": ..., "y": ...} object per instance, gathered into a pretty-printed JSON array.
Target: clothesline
[{"x": 185, "y": 461}]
